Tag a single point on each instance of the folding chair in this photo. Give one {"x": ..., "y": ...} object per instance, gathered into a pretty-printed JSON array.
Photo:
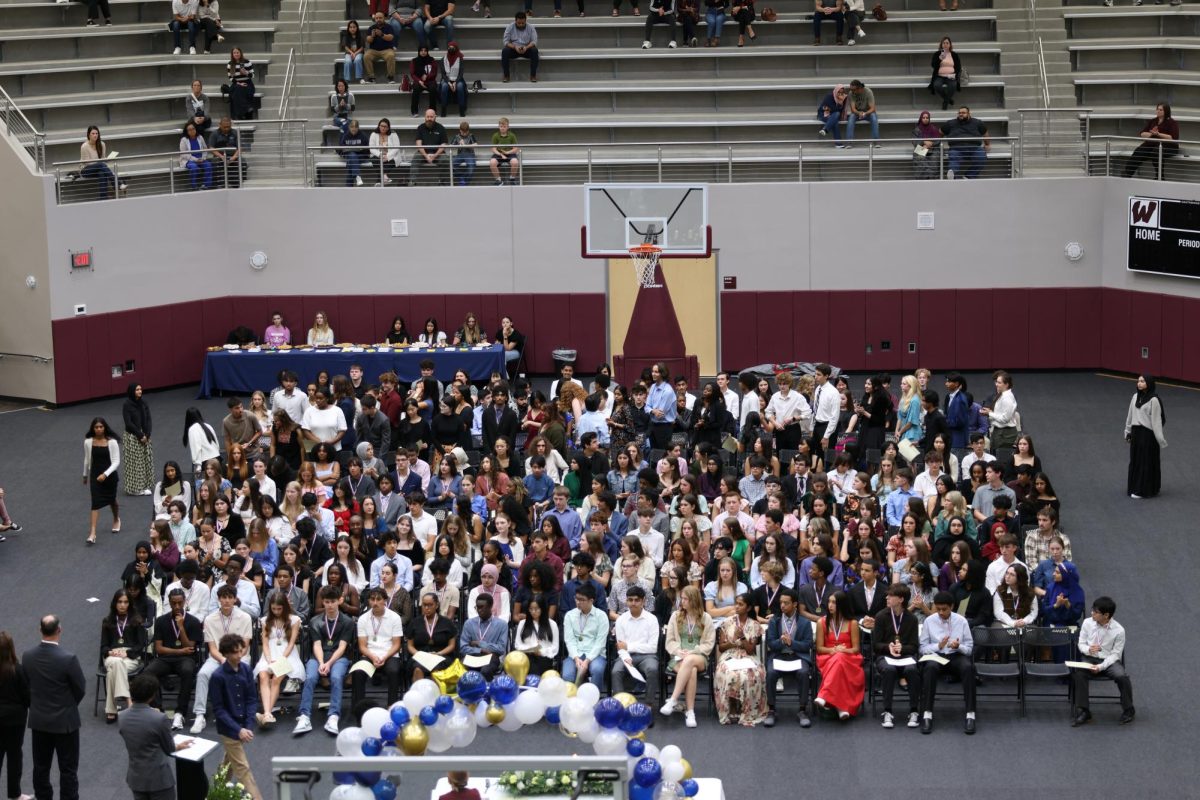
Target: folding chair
[
  {"x": 994, "y": 660},
  {"x": 1043, "y": 651},
  {"x": 102, "y": 687}
]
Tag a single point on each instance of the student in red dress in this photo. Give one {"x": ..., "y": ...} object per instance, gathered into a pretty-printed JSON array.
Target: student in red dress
[{"x": 839, "y": 659}]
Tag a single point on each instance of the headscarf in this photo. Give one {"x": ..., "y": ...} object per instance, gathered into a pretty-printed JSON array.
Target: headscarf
[
  {"x": 929, "y": 131},
  {"x": 991, "y": 550},
  {"x": 1069, "y": 586},
  {"x": 453, "y": 54},
  {"x": 1143, "y": 397}
]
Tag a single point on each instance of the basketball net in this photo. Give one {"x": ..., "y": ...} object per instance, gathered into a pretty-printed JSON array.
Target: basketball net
[{"x": 645, "y": 262}]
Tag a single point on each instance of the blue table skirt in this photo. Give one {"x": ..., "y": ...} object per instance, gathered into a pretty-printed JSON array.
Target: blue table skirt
[{"x": 243, "y": 372}]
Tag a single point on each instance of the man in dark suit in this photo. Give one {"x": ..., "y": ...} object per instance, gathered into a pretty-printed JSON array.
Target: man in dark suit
[
  {"x": 868, "y": 594},
  {"x": 149, "y": 743},
  {"x": 55, "y": 688},
  {"x": 789, "y": 638},
  {"x": 499, "y": 420},
  {"x": 798, "y": 481}
]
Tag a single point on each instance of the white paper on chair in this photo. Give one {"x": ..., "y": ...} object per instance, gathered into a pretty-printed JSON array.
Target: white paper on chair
[
  {"x": 476, "y": 662},
  {"x": 428, "y": 661},
  {"x": 365, "y": 667},
  {"x": 741, "y": 663},
  {"x": 899, "y": 662},
  {"x": 633, "y": 671},
  {"x": 935, "y": 657},
  {"x": 786, "y": 665},
  {"x": 197, "y": 750},
  {"x": 1079, "y": 664}
]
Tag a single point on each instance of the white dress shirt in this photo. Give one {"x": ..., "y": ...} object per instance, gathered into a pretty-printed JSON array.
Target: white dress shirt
[
  {"x": 640, "y": 633},
  {"x": 934, "y": 629},
  {"x": 995, "y": 573},
  {"x": 732, "y": 403},
  {"x": 785, "y": 409},
  {"x": 1110, "y": 637},
  {"x": 652, "y": 544},
  {"x": 1004, "y": 413},
  {"x": 925, "y": 484},
  {"x": 197, "y": 598},
  {"x": 294, "y": 404},
  {"x": 826, "y": 410}
]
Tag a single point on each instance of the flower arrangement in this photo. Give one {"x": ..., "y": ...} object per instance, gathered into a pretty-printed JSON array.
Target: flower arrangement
[
  {"x": 532, "y": 783},
  {"x": 223, "y": 787}
]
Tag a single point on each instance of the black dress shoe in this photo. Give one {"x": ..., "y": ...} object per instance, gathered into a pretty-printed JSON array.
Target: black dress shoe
[
  {"x": 1127, "y": 717},
  {"x": 969, "y": 726},
  {"x": 1082, "y": 718},
  {"x": 926, "y": 725}
]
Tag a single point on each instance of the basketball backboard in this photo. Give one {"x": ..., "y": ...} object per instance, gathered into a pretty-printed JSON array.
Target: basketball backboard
[{"x": 621, "y": 216}]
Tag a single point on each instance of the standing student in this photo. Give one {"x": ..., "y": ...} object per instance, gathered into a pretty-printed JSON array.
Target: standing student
[
  {"x": 139, "y": 453},
  {"x": 148, "y": 743},
  {"x": 1144, "y": 431},
  {"x": 101, "y": 458},
  {"x": 227, "y": 619},
  {"x": 14, "y": 711},
  {"x": 56, "y": 686},
  {"x": 234, "y": 702}
]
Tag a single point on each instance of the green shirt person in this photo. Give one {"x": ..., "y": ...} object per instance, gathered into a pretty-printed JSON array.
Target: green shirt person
[{"x": 504, "y": 149}]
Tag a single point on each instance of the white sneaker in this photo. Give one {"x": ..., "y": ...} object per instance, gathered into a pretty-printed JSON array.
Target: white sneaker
[
  {"x": 819, "y": 702},
  {"x": 888, "y": 720},
  {"x": 198, "y": 724},
  {"x": 851, "y": 43},
  {"x": 358, "y": 180},
  {"x": 191, "y": 51},
  {"x": 176, "y": 51},
  {"x": 671, "y": 45},
  {"x": 949, "y": 174},
  {"x": 331, "y": 724},
  {"x": 1136, "y": 496},
  {"x": 303, "y": 725},
  {"x": 668, "y": 708},
  {"x": 689, "y": 719},
  {"x": 177, "y": 723},
  {"x": 822, "y": 133},
  {"x": 861, "y": 33},
  {"x": 914, "y": 719},
  {"x": 779, "y": 685},
  {"x": 646, "y": 45},
  {"x": 143, "y": 492},
  {"x": 220, "y": 37}
]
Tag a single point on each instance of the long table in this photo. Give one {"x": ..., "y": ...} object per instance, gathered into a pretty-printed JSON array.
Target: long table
[{"x": 246, "y": 370}]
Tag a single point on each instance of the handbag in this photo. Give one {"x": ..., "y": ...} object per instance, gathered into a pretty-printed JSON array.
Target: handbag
[
  {"x": 846, "y": 441},
  {"x": 879, "y": 12},
  {"x": 964, "y": 80},
  {"x": 769, "y": 14},
  {"x": 406, "y": 84}
]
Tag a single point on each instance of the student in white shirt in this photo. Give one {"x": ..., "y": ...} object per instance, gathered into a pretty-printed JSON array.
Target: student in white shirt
[
  {"x": 1002, "y": 417},
  {"x": 732, "y": 401},
  {"x": 826, "y": 407},
  {"x": 324, "y": 422},
  {"x": 948, "y": 635},
  {"x": 1102, "y": 643},
  {"x": 424, "y": 525},
  {"x": 380, "y": 632},
  {"x": 637, "y": 633},
  {"x": 197, "y": 593},
  {"x": 788, "y": 414},
  {"x": 978, "y": 453},
  {"x": 925, "y": 485},
  {"x": 1008, "y": 556}
]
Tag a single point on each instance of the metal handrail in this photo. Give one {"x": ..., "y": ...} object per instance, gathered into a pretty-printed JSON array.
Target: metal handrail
[
  {"x": 288, "y": 75},
  {"x": 1042, "y": 73},
  {"x": 303, "y": 14},
  {"x": 12, "y": 114}
]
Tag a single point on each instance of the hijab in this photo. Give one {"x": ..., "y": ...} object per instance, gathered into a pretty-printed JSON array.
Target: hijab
[
  {"x": 1069, "y": 586},
  {"x": 929, "y": 131},
  {"x": 453, "y": 54},
  {"x": 422, "y": 64},
  {"x": 991, "y": 550},
  {"x": 1143, "y": 397}
]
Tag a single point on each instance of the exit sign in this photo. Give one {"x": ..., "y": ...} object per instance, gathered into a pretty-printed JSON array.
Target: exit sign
[{"x": 81, "y": 259}]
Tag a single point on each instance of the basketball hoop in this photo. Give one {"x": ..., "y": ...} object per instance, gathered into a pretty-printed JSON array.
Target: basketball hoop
[{"x": 645, "y": 261}]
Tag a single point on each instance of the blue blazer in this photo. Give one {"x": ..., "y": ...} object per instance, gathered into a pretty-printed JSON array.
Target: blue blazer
[
  {"x": 802, "y": 641},
  {"x": 958, "y": 418}
]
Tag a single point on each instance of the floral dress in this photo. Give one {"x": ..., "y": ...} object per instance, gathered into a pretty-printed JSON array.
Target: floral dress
[{"x": 740, "y": 687}]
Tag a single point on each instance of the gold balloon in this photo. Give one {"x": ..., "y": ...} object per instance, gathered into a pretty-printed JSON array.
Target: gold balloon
[
  {"x": 414, "y": 738},
  {"x": 516, "y": 664},
  {"x": 495, "y": 713},
  {"x": 687, "y": 769},
  {"x": 566, "y": 732},
  {"x": 571, "y": 689},
  {"x": 640, "y": 736},
  {"x": 625, "y": 698},
  {"x": 550, "y": 673}
]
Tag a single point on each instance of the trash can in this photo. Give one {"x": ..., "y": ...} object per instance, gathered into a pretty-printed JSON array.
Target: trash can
[{"x": 562, "y": 357}]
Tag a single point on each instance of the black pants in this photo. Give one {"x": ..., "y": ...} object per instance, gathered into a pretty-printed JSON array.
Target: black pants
[
  {"x": 788, "y": 437},
  {"x": 660, "y": 435},
  {"x": 392, "y": 669},
  {"x": 185, "y": 668},
  {"x": 416, "y": 96},
  {"x": 1147, "y": 151},
  {"x": 66, "y": 746},
  {"x": 11, "y": 739},
  {"x": 773, "y": 677},
  {"x": 745, "y": 18},
  {"x": 508, "y": 54},
  {"x": 211, "y": 31},
  {"x": 94, "y": 6},
  {"x": 1115, "y": 673},
  {"x": 654, "y": 18},
  {"x": 887, "y": 677},
  {"x": 959, "y": 665}
]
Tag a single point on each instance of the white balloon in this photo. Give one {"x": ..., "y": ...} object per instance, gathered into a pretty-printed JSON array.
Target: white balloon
[
  {"x": 553, "y": 691},
  {"x": 391, "y": 752},
  {"x": 609, "y": 742},
  {"x": 672, "y": 771},
  {"x": 461, "y": 724},
  {"x": 422, "y": 693},
  {"x": 529, "y": 707},
  {"x": 651, "y": 751},
  {"x": 349, "y": 743},
  {"x": 589, "y": 732},
  {"x": 351, "y": 791},
  {"x": 670, "y": 753},
  {"x": 440, "y": 737},
  {"x": 575, "y": 713},
  {"x": 511, "y": 721},
  {"x": 589, "y": 693},
  {"x": 372, "y": 720},
  {"x": 481, "y": 719}
]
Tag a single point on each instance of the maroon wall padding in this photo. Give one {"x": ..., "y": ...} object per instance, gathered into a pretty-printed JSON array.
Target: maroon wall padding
[
  {"x": 773, "y": 318},
  {"x": 588, "y": 323},
  {"x": 1083, "y": 345},
  {"x": 124, "y": 345},
  {"x": 884, "y": 321},
  {"x": 910, "y": 303},
  {"x": 1191, "y": 340},
  {"x": 937, "y": 327},
  {"x": 1145, "y": 330},
  {"x": 739, "y": 346},
  {"x": 1047, "y": 316},
  {"x": 847, "y": 329},
  {"x": 1114, "y": 329},
  {"x": 1010, "y": 328},
  {"x": 158, "y": 345},
  {"x": 551, "y": 326},
  {"x": 811, "y": 324},
  {"x": 70, "y": 359},
  {"x": 188, "y": 347},
  {"x": 1171, "y": 361},
  {"x": 972, "y": 329}
]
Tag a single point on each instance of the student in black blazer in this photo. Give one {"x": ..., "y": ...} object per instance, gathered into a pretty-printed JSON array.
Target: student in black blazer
[
  {"x": 934, "y": 422},
  {"x": 869, "y": 571},
  {"x": 149, "y": 743},
  {"x": 14, "y": 711},
  {"x": 895, "y": 635},
  {"x": 506, "y": 425},
  {"x": 55, "y": 688}
]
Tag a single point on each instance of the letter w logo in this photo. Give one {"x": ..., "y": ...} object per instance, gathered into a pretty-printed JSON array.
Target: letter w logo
[{"x": 1143, "y": 213}]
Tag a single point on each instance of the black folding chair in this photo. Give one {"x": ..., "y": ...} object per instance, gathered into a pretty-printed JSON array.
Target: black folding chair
[
  {"x": 1043, "y": 651},
  {"x": 997, "y": 656}
]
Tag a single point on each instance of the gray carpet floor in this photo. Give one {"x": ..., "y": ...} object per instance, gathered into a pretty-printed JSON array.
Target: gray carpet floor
[{"x": 1137, "y": 551}]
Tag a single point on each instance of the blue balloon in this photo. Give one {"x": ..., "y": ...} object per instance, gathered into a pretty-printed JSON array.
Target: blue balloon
[
  {"x": 372, "y": 746},
  {"x": 635, "y": 748},
  {"x": 384, "y": 790},
  {"x": 400, "y": 717},
  {"x": 505, "y": 689},
  {"x": 343, "y": 778},
  {"x": 609, "y": 712},
  {"x": 368, "y": 778},
  {"x": 444, "y": 704},
  {"x": 690, "y": 787},
  {"x": 641, "y": 792},
  {"x": 533, "y": 681},
  {"x": 472, "y": 687},
  {"x": 637, "y": 718},
  {"x": 428, "y": 715},
  {"x": 388, "y": 732},
  {"x": 552, "y": 715},
  {"x": 647, "y": 772}
]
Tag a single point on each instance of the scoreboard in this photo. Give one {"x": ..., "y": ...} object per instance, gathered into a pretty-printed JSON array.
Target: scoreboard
[{"x": 1164, "y": 237}]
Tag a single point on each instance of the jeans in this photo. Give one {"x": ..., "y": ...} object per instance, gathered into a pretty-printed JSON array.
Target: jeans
[
  {"x": 944, "y": 88},
  {"x": 418, "y": 28},
  {"x": 716, "y": 21},
  {"x": 595, "y": 671},
  {"x": 192, "y": 28},
  {"x": 354, "y": 160},
  {"x": 337, "y": 680},
  {"x": 852, "y": 118},
  {"x": 197, "y": 167},
  {"x": 836, "y": 17},
  {"x": 103, "y": 176},
  {"x": 447, "y": 23},
  {"x": 352, "y": 67},
  {"x": 460, "y": 95},
  {"x": 830, "y": 125},
  {"x": 967, "y": 161},
  {"x": 464, "y": 171}
]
